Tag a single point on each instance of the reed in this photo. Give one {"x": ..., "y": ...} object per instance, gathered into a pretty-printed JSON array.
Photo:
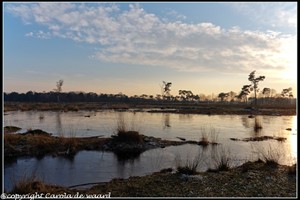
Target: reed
[
  {"x": 190, "y": 165},
  {"x": 221, "y": 158},
  {"x": 125, "y": 133},
  {"x": 27, "y": 183},
  {"x": 270, "y": 154}
]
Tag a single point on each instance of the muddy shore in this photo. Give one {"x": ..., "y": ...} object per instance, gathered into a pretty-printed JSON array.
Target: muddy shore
[
  {"x": 252, "y": 179},
  {"x": 39, "y": 143}
]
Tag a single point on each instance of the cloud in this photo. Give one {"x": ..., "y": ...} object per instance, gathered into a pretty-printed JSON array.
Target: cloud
[
  {"x": 174, "y": 14},
  {"x": 39, "y": 34},
  {"x": 135, "y": 36},
  {"x": 275, "y": 14}
]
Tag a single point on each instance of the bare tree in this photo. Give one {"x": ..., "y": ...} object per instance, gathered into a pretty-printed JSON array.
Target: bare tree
[{"x": 58, "y": 88}]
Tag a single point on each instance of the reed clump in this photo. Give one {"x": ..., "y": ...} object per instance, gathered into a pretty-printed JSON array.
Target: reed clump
[
  {"x": 190, "y": 165},
  {"x": 125, "y": 134},
  {"x": 221, "y": 158}
]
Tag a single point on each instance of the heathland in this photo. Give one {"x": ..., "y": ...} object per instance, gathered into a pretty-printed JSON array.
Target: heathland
[{"x": 261, "y": 178}]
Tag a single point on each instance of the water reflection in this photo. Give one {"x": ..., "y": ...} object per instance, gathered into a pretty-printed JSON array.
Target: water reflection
[
  {"x": 58, "y": 123},
  {"x": 89, "y": 166},
  {"x": 257, "y": 127},
  {"x": 124, "y": 158},
  {"x": 166, "y": 118},
  {"x": 42, "y": 117},
  {"x": 245, "y": 121},
  {"x": 185, "y": 117}
]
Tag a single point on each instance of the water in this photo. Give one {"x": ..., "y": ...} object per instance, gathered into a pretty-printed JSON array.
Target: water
[{"x": 95, "y": 166}]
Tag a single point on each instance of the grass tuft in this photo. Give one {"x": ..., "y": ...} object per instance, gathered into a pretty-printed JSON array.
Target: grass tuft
[
  {"x": 125, "y": 134},
  {"x": 204, "y": 137},
  {"x": 221, "y": 159},
  {"x": 190, "y": 166},
  {"x": 211, "y": 133},
  {"x": 27, "y": 184},
  {"x": 270, "y": 155}
]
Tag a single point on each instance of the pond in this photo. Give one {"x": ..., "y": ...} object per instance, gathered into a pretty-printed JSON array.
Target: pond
[{"x": 97, "y": 166}]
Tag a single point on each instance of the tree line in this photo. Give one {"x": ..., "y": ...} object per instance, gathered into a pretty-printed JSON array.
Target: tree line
[{"x": 266, "y": 95}]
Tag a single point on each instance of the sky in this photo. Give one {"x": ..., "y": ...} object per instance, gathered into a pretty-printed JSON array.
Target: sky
[{"x": 132, "y": 47}]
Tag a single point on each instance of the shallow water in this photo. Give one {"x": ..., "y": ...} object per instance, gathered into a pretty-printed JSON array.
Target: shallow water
[{"x": 93, "y": 166}]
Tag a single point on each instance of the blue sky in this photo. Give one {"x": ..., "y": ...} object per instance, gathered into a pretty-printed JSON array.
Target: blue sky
[{"x": 132, "y": 47}]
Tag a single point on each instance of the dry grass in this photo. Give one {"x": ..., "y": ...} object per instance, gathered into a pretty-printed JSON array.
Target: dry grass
[
  {"x": 27, "y": 183},
  {"x": 270, "y": 154},
  {"x": 206, "y": 133},
  {"x": 32, "y": 184},
  {"x": 11, "y": 129},
  {"x": 42, "y": 144},
  {"x": 214, "y": 135},
  {"x": 204, "y": 137},
  {"x": 221, "y": 158},
  {"x": 126, "y": 133},
  {"x": 190, "y": 165}
]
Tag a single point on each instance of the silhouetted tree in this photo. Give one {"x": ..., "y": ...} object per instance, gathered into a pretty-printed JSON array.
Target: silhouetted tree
[
  {"x": 223, "y": 96},
  {"x": 186, "y": 95},
  {"x": 246, "y": 89},
  {"x": 255, "y": 81},
  {"x": 58, "y": 88},
  {"x": 166, "y": 89},
  {"x": 266, "y": 92},
  {"x": 231, "y": 95},
  {"x": 287, "y": 93}
]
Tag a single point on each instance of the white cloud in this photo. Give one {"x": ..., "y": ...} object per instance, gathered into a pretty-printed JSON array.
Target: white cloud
[
  {"x": 276, "y": 14},
  {"x": 174, "y": 14},
  {"x": 39, "y": 34},
  {"x": 30, "y": 34},
  {"x": 137, "y": 37}
]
